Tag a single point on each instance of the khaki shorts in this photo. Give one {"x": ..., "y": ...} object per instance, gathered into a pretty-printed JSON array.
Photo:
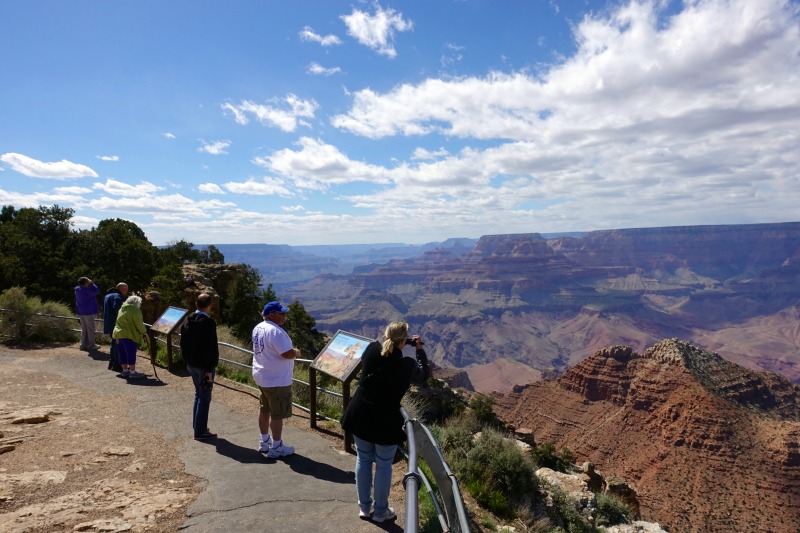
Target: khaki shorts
[{"x": 277, "y": 401}]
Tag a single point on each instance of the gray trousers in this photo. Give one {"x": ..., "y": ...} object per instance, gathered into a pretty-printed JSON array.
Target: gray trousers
[{"x": 87, "y": 332}]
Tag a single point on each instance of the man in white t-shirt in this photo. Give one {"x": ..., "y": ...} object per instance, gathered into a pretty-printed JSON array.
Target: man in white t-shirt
[{"x": 273, "y": 366}]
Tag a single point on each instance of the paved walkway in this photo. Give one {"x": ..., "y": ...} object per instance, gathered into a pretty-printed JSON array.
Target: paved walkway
[{"x": 312, "y": 490}]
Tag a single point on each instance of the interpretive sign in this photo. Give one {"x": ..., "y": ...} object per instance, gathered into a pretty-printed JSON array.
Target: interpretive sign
[
  {"x": 169, "y": 320},
  {"x": 341, "y": 356}
]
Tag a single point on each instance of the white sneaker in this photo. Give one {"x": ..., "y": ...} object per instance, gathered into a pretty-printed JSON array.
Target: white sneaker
[
  {"x": 281, "y": 451},
  {"x": 265, "y": 445},
  {"x": 388, "y": 514},
  {"x": 135, "y": 375},
  {"x": 364, "y": 512}
]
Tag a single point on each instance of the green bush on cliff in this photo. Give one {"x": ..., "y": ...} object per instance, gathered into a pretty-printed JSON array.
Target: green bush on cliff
[
  {"x": 492, "y": 469},
  {"x": 612, "y": 511},
  {"x": 545, "y": 456}
]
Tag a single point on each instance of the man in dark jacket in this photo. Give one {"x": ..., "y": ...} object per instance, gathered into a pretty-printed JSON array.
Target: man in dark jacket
[
  {"x": 111, "y": 304},
  {"x": 201, "y": 352}
]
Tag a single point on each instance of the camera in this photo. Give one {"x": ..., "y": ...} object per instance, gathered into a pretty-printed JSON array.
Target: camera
[{"x": 416, "y": 343}]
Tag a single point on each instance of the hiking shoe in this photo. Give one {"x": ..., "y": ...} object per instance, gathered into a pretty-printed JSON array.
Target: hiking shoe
[
  {"x": 124, "y": 374},
  {"x": 281, "y": 451},
  {"x": 135, "y": 375},
  {"x": 364, "y": 512},
  {"x": 265, "y": 445},
  {"x": 206, "y": 435},
  {"x": 383, "y": 516}
]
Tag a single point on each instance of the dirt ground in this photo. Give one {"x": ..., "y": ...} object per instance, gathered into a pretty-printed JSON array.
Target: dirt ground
[{"x": 72, "y": 459}]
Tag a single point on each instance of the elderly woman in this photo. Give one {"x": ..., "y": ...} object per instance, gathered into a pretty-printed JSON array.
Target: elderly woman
[
  {"x": 128, "y": 332},
  {"x": 373, "y": 415}
]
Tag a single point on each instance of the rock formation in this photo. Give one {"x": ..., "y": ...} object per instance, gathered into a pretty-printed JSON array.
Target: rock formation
[{"x": 706, "y": 444}]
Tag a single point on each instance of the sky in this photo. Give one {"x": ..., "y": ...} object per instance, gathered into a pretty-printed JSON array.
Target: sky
[{"x": 331, "y": 122}]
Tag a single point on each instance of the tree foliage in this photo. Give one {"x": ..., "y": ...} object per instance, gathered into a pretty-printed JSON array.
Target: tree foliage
[
  {"x": 35, "y": 252},
  {"x": 241, "y": 310},
  {"x": 41, "y": 252},
  {"x": 301, "y": 327}
]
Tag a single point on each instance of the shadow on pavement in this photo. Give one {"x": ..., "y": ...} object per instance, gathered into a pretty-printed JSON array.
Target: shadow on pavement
[
  {"x": 234, "y": 451},
  {"x": 146, "y": 382},
  {"x": 309, "y": 467},
  {"x": 97, "y": 355}
]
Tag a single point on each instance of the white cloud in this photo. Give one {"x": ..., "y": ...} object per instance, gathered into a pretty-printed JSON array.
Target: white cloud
[
  {"x": 38, "y": 169},
  {"x": 108, "y": 157},
  {"x": 160, "y": 205},
  {"x": 118, "y": 188},
  {"x": 264, "y": 187},
  {"x": 287, "y": 119},
  {"x": 72, "y": 190},
  {"x": 84, "y": 222},
  {"x": 40, "y": 198},
  {"x": 293, "y": 208},
  {"x": 215, "y": 147},
  {"x": 423, "y": 154},
  {"x": 210, "y": 188},
  {"x": 168, "y": 135},
  {"x": 655, "y": 120},
  {"x": 308, "y": 34},
  {"x": 377, "y": 30},
  {"x": 634, "y": 68},
  {"x": 451, "y": 55},
  {"x": 318, "y": 165},
  {"x": 316, "y": 68}
]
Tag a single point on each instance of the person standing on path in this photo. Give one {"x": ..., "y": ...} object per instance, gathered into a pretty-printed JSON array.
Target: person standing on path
[
  {"x": 111, "y": 304},
  {"x": 373, "y": 415},
  {"x": 273, "y": 368},
  {"x": 200, "y": 350},
  {"x": 129, "y": 331},
  {"x": 86, "y": 308}
]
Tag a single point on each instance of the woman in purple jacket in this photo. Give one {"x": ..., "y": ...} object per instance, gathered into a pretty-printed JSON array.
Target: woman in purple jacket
[{"x": 86, "y": 308}]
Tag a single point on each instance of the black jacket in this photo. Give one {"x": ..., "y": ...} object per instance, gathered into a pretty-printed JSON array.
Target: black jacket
[
  {"x": 373, "y": 413},
  {"x": 199, "y": 341}
]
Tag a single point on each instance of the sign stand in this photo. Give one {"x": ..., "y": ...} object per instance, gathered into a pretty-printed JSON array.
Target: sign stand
[
  {"x": 341, "y": 359},
  {"x": 167, "y": 323}
]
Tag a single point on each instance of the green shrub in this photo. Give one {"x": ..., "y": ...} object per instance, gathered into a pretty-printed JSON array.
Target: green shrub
[
  {"x": 545, "y": 456},
  {"x": 567, "y": 515},
  {"x": 428, "y": 520},
  {"x": 483, "y": 409},
  {"x": 611, "y": 511},
  {"x": 499, "y": 474},
  {"x": 23, "y": 318},
  {"x": 19, "y": 310},
  {"x": 50, "y": 327}
]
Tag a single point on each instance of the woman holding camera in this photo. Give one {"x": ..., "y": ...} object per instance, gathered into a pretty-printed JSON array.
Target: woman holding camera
[{"x": 373, "y": 415}]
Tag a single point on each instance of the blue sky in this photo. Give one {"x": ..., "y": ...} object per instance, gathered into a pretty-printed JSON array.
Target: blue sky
[{"x": 331, "y": 122}]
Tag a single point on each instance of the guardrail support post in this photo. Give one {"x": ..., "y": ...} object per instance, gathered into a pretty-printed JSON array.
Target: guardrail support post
[
  {"x": 312, "y": 396},
  {"x": 348, "y": 437}
]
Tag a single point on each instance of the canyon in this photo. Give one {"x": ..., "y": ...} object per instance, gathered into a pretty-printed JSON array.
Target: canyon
[{"x": 550, "y": 302}]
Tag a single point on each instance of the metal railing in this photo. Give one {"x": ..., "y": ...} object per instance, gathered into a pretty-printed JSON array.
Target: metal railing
[{"x": 422, "y": 443}]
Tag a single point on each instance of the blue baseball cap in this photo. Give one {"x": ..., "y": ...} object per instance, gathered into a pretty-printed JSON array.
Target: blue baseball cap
[{"x": 274, "y": 307}]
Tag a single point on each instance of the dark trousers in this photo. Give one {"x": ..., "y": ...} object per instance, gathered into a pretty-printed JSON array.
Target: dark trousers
[
  {"x": 202, "y": 399},
  {"x": 112, "y": 352}
]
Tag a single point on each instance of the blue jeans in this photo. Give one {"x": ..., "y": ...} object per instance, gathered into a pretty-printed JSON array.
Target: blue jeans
[
  {"x": 383, "y": 457},
  {"x": 202, "y": 399}
]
